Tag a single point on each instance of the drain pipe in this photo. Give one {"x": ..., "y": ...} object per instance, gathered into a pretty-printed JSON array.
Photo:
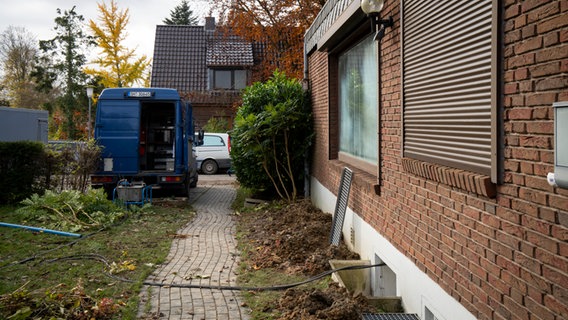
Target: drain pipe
[{"x": 306, "y": 87}]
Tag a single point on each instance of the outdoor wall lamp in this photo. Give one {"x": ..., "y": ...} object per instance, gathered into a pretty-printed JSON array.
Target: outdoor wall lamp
[{"x": 372, "y": 8}]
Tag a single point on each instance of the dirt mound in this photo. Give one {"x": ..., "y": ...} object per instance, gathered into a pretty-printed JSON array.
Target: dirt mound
[
  {"x": 295, "y": 238},
  {"x": 334, "y": 303}
]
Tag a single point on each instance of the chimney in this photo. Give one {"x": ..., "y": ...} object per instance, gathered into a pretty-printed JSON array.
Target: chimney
[{"x": 209, "y": 24}]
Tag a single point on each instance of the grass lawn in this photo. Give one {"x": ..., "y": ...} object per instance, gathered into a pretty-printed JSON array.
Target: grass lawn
[{"x": 41, "y": 271}]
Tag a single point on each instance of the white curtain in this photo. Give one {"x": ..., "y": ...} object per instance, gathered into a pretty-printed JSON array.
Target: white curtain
[{"x": 358, "y": 101}]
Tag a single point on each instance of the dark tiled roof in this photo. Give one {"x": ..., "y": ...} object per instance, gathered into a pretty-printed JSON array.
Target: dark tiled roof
[
  {"x": 229, "y": 51},
  {"x": 179, "y": 58}
]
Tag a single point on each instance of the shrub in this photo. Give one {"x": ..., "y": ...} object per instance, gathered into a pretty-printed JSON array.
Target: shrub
[
  {"x": 22, "y": 170},
  {"x": 273, "y": 132},
  {"x": 31, "y": 167},
  {"x": 71, "y": 210},
  {"x": 70, "y": 163},
  {"x": 216, "y": 124}
]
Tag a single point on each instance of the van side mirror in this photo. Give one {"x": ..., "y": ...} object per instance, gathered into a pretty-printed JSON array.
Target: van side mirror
[{"x": 200, "y": 136}]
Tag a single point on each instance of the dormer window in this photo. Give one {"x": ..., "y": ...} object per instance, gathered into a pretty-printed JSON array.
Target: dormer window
[{"x": 227, "y": 79}]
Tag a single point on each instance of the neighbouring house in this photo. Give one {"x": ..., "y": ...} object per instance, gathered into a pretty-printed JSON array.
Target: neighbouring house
[
  {"x": 448, "y": 125},
  {"x": 208, "y": 67}
]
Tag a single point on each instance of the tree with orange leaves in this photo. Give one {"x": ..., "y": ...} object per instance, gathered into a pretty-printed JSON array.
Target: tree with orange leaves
[{"x": 276, "y": 26}]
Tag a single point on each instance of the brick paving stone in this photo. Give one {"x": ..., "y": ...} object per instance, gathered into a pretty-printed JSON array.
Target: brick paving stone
[{"x": 207, "y": 255}]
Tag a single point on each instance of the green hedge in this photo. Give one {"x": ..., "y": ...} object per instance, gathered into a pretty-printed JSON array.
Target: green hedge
[
  {"x": 31, "y": 167},
  {"x": 22, "y": 170}
]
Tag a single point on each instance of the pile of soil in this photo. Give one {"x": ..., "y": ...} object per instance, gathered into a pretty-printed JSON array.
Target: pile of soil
[
  {"x": 294, "y": 238},
  {"x": 334, "y": 303}
]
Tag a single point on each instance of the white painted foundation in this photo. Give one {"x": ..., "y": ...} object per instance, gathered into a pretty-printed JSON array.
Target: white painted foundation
[{"x": 416, "y": 289}]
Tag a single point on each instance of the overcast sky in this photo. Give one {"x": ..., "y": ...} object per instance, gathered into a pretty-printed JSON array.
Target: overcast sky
[{"x": 37, "y": 17}]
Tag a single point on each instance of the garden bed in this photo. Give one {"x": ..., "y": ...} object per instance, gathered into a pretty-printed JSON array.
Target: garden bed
[{"x": 294, "y": 239}]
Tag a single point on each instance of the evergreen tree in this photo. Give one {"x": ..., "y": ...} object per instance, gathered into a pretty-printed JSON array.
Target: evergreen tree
[
  {"x": 61, "y": 65},
  {"x": 181, "y": 15}
]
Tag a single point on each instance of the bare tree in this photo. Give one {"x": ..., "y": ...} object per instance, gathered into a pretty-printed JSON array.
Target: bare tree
[{"x": 18, "y": 52}]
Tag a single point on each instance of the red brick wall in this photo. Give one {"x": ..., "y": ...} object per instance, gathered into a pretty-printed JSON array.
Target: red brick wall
[
  {"x": 202, "y": 114},
  {"x": 504, "y": 257},
  {"x": 319, "y": 89}
]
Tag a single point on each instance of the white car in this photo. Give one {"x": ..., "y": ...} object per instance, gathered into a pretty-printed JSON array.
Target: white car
[{"x": 214, "y": 153}]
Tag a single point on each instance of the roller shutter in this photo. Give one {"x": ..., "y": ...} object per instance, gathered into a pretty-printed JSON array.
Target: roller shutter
[{"x": 447, "y": 83}]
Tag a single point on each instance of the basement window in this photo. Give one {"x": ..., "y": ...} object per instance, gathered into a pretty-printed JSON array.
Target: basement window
[
  {"x": 428, "y": 315},
  {"x": 384, "y": 280}
]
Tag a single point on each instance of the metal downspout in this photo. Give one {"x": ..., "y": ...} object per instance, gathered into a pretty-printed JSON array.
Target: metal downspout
[{"x": 306, "y": 87}]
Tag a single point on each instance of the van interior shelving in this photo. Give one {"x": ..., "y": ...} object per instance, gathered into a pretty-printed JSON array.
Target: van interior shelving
[{"x": 157, "y": 136}]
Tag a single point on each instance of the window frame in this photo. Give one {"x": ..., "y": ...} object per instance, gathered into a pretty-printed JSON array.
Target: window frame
[
  {"x": 356, "y": 37},
  {"x": 210, "y": 137},
  {"x": 213, "y": 77}
]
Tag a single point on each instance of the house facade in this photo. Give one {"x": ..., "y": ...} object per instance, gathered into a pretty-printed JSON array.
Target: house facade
[
  {"x": 207, "y": 66},
  {"x": 447, "y": 122}
]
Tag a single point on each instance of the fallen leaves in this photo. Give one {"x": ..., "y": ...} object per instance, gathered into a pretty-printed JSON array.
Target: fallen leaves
[{"x": 126, "y": 265}]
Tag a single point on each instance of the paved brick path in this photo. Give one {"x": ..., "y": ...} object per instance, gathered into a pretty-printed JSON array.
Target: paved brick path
[{"x": 204, "y": 255}]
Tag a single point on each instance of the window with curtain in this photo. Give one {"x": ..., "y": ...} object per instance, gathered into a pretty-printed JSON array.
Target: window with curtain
[{"x": 358, "y": 101}]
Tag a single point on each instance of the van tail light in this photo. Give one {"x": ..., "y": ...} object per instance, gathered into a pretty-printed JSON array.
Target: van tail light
[
  {"x": 101, "y": 179},
  {"x": 229, "y": 143},
  {"x": 170, "y": 179}
]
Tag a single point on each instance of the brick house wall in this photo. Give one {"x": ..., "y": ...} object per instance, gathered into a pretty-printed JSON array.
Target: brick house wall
[
  {"x": 203, "y": 113},
  {"x": 501, "y": 255}
]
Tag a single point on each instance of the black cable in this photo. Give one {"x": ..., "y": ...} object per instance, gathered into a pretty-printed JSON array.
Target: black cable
[
  {"x": 91, "y": 256},
  {"x": 272, "y": 288},
  {"x": 37, "y": 255},
  {"x": 213, "y": 287}
]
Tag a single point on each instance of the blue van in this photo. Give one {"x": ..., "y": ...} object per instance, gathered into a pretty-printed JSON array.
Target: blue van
[{"x": 146, "y": 135}]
